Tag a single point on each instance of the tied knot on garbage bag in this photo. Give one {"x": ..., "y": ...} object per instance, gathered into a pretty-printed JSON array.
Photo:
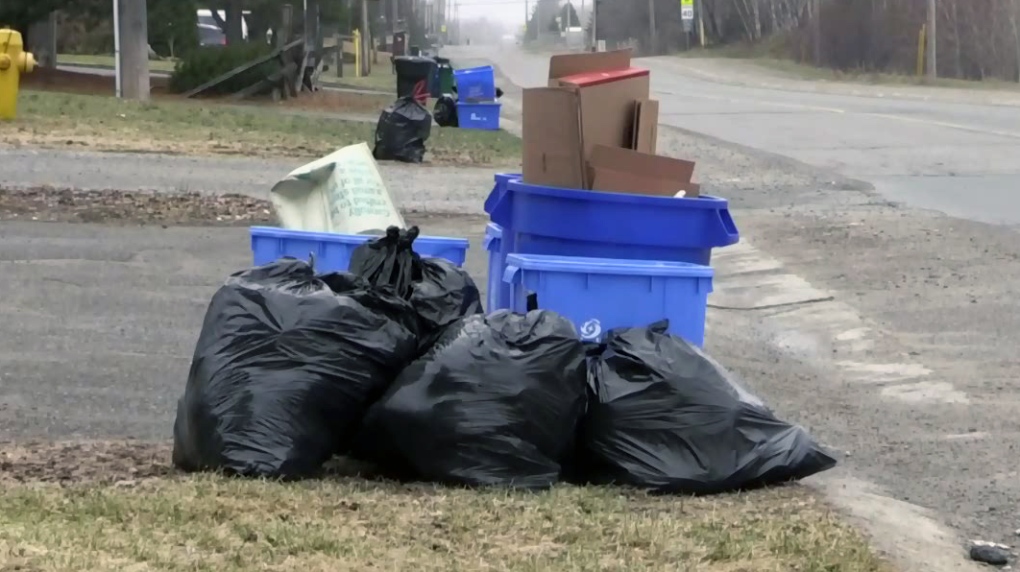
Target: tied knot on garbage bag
[{"x": 438, "y": 290}]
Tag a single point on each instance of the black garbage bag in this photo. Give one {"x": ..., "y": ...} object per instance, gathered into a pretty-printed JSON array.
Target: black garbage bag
[
  {"x": 666, "y": 417},
  {"x": 445, "y": 111},
  {"x": 443, "y": 294},
  {"x": 439, "y": 291},
  {"x": 401, "y": 132},
  {"x": 388, "y": 261},
  {"x": 285, "y": 367},
  {"x": 496, "y": 401}
]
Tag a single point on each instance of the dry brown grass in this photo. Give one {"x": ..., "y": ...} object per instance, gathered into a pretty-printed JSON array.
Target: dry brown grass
[{"x": 150, "y": 521}]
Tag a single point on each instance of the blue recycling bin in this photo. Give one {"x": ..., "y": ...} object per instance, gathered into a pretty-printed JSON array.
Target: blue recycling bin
[
  {"x": 568, "y": 222},
  {"x": 483, "y": 116},
  {"x": 332, "y": 251},
  {"x": 476, "y": 84},
  {"x": 498, "y": 297},
  {"x": 599, "y": 294}
]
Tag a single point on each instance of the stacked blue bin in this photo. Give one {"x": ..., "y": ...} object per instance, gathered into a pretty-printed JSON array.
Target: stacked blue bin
[
  {"x": 332, "y": 252},
  {"x": 477, "y": 107},
  {"x": 607, "y": 260}
]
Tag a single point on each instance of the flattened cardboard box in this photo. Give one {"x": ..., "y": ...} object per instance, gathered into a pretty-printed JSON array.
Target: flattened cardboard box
[
  {"x": 605, "y": 89},
  {"x": 626, "y": 171},
  {"x": 551, "y": 157}
]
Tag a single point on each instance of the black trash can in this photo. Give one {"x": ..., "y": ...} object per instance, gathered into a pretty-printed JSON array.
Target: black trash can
[{"x": 415, "y": 76}]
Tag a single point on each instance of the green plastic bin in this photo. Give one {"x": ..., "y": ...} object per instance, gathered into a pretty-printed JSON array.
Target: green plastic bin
[{"x": 444, "y": 75}]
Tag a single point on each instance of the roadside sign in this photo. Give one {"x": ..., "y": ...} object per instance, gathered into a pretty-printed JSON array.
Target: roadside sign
[
  {"x": 442, "y": 28},
  {"x": 686, "y": 10}
]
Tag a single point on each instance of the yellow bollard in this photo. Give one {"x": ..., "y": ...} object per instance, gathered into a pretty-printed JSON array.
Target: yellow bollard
[
  {"x": 14, "y": 61},
  {"x": 357, "y": 53}
]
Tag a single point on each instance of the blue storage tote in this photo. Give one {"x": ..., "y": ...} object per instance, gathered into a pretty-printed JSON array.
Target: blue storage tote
[
  {"x": 478, "y": 116},
  {"x": 597, "y": 224},
  {"x": 498, "y": 296},
  {"x": 332, "y": 252},
  {"x": 494, "y": 291},
  {"x": 599, "y": 294},
  {"x": 475, "y": 84},
  {"x": 498, "y": 188}
]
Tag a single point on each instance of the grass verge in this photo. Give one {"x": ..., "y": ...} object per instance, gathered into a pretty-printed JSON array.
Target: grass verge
[
  {"x": 72, "y": 121},
  {"x": 381, "y": 79},
  {"x": 108, "y": 61},
  {"x": 148, "y": 519},
  {"x": 765, "y": 56}
]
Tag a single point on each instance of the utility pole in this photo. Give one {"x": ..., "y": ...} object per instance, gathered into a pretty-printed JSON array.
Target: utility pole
[
  {"x": 366, "y": 39},
  {"x": 816, "y": 31},
  {"x": 134, "y": 49},
  {"x": 933, "y": 70},
  {"x": 651, "y": 26},
  {"x": 701, "y": 22}
]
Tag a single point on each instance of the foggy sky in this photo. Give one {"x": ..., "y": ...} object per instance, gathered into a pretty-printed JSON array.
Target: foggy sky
[{"x": 510, "y": 12}]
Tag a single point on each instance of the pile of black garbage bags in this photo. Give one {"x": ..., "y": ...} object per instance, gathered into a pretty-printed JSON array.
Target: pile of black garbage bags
[{"x": 396, "y": 364}]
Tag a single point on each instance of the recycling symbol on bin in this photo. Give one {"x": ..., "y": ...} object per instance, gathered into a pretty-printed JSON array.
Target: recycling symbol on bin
[{"x": 591, "y": 330}]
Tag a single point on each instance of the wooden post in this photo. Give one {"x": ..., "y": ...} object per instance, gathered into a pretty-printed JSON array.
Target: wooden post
[
  {"x": 651, "y": 26},
  {"x": 286, "y": 19},
  {"x": 816, "y": 31},
  {"x": 366, "y": 39},
  {"x": 134, "y": 50},
  {"x": 931, "y": 37},
  {"x": 339, "y": 55}
]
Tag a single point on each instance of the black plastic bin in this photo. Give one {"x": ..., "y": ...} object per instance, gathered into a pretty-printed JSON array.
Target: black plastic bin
[{"x": 415, "y": 76}]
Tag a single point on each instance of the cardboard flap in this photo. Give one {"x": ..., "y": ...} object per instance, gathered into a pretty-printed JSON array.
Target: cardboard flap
[
  {"x": 646, "y": 126},
  {"x": 563, "y": 65},
  {"x": 551, "y": 133},
  {"x": 619, "y": 159},
  {"x": 625, "y": 171}
]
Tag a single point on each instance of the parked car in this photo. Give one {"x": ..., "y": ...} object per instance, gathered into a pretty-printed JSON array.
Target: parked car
[
  {"x": 205, "y": 18},
  {"x": 211, "y": 36}
]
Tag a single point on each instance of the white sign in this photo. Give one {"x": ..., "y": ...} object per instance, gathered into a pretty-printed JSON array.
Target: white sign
[{"x": 686, "y": 13}]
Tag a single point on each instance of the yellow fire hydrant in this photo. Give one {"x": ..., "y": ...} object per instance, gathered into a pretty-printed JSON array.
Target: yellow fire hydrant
[{"x": 14, "y": 61}]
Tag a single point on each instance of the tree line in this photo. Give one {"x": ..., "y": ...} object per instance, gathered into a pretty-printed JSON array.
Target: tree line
[{"x": 976, "y": 39}]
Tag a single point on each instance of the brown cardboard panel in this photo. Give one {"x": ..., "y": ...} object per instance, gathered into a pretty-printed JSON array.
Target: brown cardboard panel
[
  {"x": 627, "y": 160},
  {"x": 646, "y": 126},
  {"x": 607, "y": 114},
  {"x": 626, "y": 171},
  {"x": 635, "y": 183},
  {"x": 563, "y": 65},
  {"x": 551, "y": 133}
]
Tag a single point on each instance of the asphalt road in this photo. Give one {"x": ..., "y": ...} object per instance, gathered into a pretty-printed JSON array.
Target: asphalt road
[{"x": 956, "y": 157}]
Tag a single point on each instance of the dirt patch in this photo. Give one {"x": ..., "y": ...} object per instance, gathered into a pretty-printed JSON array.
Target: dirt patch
[
  {"x": 337, "y": 102},
  {"x": 48, "y": 204},
  {"x": 89, "y": 462},
  {"x": 46, "y": 79}
]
